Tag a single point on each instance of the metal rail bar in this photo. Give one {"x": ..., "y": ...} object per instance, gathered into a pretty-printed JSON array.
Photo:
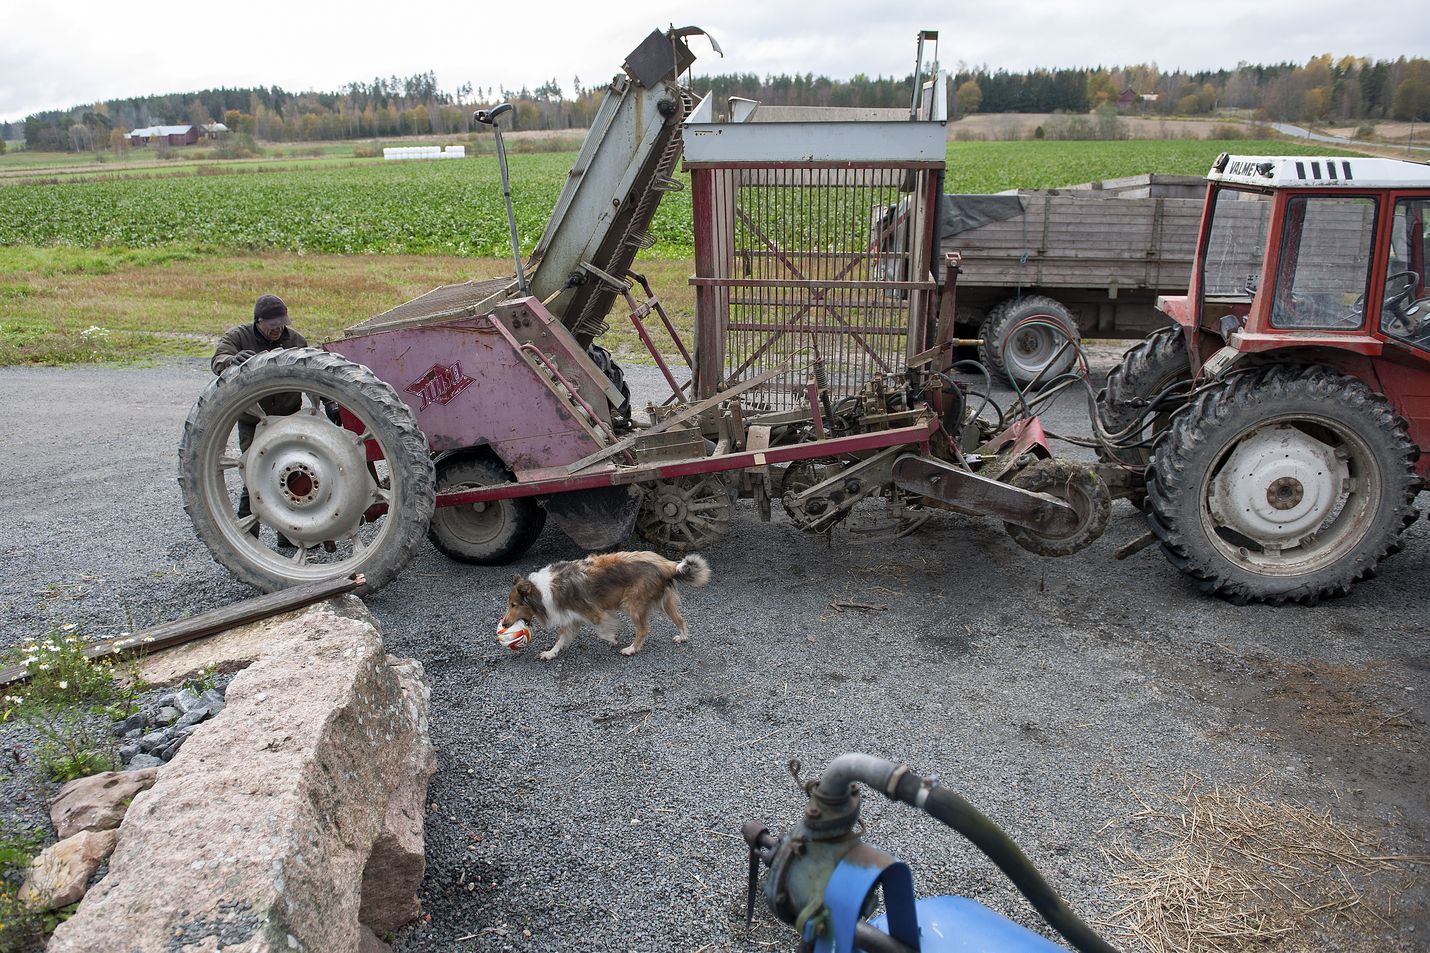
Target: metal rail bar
[
  {"x": 690, "y": 411},
  {"x": 918, "y": 434},
  {"x": 169, "y": 634},
  {"x": 812, "y": 283}
]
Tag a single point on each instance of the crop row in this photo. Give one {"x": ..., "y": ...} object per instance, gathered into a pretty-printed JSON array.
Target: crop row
[{"x": 456, "y": 208}]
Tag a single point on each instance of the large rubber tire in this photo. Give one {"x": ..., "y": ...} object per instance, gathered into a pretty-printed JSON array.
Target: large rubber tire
[
  {"x": 1009, "y": 351},
  {"x": 1072, "y": 483},
  {"x": 487, "y": 534},
  {"x": 1148, "y": 368},
  {"x": 1283, "y": 484},
  {"x": 620, "y": 415},
  {"x": 308, "y": 477}
]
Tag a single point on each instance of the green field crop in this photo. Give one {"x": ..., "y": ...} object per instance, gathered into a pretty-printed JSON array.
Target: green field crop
[{"x": 456, "y": 208}]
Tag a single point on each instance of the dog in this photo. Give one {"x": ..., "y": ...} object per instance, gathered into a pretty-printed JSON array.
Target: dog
[{"x": 564, "y": 595}]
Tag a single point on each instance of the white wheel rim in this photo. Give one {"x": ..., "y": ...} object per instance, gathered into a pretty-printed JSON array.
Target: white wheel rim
[{"x": 1291, "y": 495}]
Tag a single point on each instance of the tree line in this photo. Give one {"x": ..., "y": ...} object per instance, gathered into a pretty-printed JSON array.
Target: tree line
[
  {"x": 1324, "y": 89},
  {"x": 1349, "y": 89}
]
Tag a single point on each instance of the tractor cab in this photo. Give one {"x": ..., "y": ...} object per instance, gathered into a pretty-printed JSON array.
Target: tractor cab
[{"x": 1315, "y": 253}]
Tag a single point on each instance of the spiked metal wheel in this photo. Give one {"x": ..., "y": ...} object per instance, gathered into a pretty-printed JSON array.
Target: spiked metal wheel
[{"x": 685, "y": 514}]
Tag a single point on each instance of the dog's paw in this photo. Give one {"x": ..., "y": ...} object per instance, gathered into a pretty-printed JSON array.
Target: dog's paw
[
  {"x": 547, "y": 655},
  {"x": 680, "y": 637},
  {"x": 630, "y": 649}
]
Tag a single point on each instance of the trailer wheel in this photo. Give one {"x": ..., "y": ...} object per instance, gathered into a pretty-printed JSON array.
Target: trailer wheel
[
  {"x": 1074, "y": 484},
  {"x": 620, "y": 416},
  {"x": 1148, "y": 369},
  {"x": 1283, "y": 484},
  {"x": 490, "y": 533},
  {"x": 308, "y": 478},
  {"x": 1019, "y": 343}
]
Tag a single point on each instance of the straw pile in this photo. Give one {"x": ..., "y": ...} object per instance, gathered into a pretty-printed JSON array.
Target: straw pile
[{"x": 1232, "y": 871}]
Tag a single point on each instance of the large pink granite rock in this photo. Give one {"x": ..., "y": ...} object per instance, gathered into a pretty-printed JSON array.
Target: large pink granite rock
[
  {"x": 395, "y": 867},
  {"x": 257, "y": 834}
]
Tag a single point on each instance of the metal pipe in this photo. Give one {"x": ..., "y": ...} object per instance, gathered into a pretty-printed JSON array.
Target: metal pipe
[
  {"x": 856, "y": 768},
  {"x": 489, "y": 117}
]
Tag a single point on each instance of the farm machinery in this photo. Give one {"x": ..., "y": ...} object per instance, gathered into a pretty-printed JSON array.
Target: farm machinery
[
  {"x": 1277, "y": 424},
  {"x": 821, "y": 370}
]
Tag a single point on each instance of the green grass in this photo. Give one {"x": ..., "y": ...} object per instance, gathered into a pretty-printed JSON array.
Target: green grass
[{"x": 977, "y": 167}]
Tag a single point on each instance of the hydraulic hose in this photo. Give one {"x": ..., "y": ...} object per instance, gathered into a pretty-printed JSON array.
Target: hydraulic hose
[
  {"x": 956, "y": 812},
  {"x": 898, "y": 783}
]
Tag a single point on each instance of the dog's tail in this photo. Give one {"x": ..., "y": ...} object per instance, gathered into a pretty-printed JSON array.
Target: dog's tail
[{"x": 693, "y": 569}]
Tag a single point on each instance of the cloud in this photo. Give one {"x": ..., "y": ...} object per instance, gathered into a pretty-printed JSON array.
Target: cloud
[{"x": 56, "y": 55}]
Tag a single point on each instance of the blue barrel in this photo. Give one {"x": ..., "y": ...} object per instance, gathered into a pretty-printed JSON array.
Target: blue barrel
[{"x": 961, "y": 925}]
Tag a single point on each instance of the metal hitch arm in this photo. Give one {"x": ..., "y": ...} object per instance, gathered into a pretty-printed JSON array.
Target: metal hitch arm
[{"x": 967, "y": 492}]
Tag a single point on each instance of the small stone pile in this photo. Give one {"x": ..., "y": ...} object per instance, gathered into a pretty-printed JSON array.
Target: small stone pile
[{"x": 152, "y": 735}]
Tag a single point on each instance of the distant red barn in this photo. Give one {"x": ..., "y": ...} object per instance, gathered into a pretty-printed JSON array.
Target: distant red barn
[{"x": 185, "y": 135}]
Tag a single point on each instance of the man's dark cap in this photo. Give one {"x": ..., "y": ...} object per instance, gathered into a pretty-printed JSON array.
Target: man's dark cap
[{"x": 269, "y": 306}]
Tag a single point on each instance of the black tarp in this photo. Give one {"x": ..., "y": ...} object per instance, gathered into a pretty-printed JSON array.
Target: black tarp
[{"x": 960, "y": 213}]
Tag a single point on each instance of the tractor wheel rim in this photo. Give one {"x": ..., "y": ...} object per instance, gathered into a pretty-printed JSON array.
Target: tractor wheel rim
[
  {"x": 1291, "y": 495},
  {"x": 1031, "y": 349},
  {"x": 298, "y": 473}
]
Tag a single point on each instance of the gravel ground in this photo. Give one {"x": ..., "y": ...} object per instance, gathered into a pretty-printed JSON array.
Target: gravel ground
[{"x": 594, "y": 802}]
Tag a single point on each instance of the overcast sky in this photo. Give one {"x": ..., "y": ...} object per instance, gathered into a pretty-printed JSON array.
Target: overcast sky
[{"x": 61, "y": 53}]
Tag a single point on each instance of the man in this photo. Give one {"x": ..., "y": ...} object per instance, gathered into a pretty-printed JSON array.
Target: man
[{"x": 271, "y": 330}]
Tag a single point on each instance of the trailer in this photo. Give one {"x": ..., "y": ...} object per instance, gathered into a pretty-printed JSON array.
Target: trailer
[
  {"x": 820, "y": 370},
  {"x": 1092, "y": 258}
]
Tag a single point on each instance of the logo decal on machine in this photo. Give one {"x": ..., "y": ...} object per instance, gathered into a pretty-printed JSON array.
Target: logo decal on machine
[{"x": 440, "y": 384}]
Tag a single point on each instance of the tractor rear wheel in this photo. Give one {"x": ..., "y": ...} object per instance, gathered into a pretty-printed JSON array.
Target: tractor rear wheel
[
  {"x": 1282, "y": 484},
  {"x": 490, "y": 533},
  {"x": 1024, "y": 338},
  {"x": 308, "y": 479}
]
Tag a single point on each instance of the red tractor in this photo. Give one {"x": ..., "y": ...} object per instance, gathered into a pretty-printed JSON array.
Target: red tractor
[{"x": 1278, "y": 422}]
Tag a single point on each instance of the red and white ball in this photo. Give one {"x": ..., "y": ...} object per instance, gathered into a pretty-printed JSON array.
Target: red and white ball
[{"x": 515, "y": 636}]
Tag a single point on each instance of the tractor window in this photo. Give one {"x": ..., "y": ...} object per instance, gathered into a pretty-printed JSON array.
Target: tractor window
[
  {"x": 1324, "y": 262},
  {"x": 1236, "y": 244},
  {"x": 1405, "y": 301}
]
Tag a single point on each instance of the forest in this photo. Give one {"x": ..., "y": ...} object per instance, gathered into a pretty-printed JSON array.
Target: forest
[{"x": 1348, "y": 90}]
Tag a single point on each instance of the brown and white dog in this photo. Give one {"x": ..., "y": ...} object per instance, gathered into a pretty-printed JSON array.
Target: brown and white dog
[{"x": 564, "y": 595}]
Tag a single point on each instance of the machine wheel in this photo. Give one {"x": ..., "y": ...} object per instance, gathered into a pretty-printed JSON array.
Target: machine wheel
[
  {"x": 308, "y": 478},
  {"x": 484, "y": 533},
  {"x": 800, "y": 476},
  {"x": 1074, "y": 484},
  {"x": 1147, "y": 369},
  {"x": 1022, "y": 352},
  {"x": 685, "y": 514},
  {"x": 1286, "y": 483},
  {"x": 620, "y": 416}
]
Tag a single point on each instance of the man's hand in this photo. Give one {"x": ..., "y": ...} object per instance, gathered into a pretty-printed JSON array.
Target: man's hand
[{"x": 239, "y": 358}]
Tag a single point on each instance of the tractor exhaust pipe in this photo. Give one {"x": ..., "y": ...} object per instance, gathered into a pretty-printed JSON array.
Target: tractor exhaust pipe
[{"x": 489, "y": 117}]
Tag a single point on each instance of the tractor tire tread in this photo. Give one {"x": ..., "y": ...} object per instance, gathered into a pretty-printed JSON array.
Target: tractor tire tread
[{"x": 1172, "y": 479}]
